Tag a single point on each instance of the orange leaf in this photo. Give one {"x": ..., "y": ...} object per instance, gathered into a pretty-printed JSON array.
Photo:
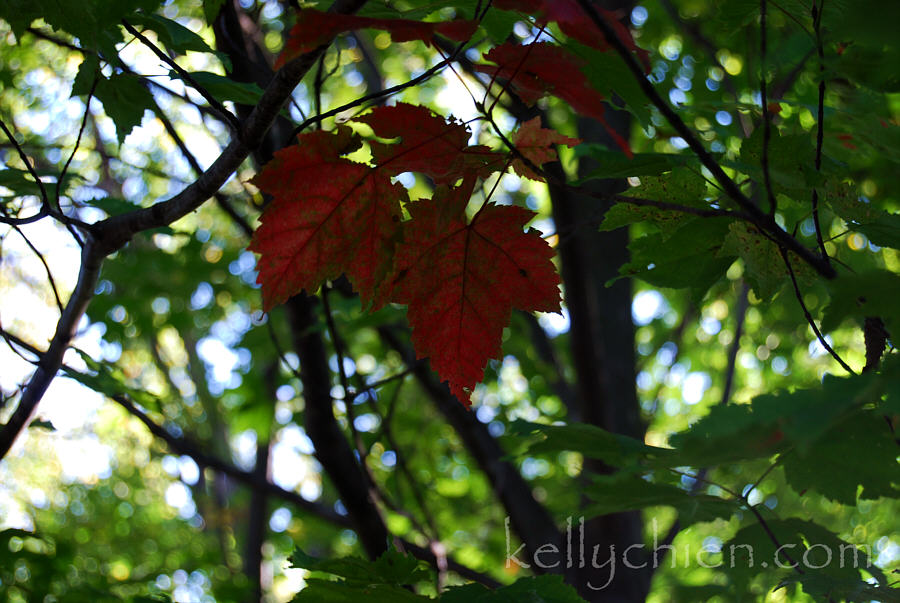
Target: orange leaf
[{"x": 536, "y": 144}]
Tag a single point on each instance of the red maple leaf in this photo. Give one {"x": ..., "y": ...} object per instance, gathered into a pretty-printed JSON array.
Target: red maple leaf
[
  {"x": 536, "y": 144},
  {"x": 428, "y": 144},
  {"x": 534, "y": 70},
  {"x": 462, "y": 280},
  {"x": 575, "y": 22},
  {"x": 314, "y": 28},
  {"x": 328, "y": 216}
]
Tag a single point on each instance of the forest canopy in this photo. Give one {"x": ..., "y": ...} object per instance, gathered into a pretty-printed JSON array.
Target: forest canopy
[{"x": 472, "y": 300}]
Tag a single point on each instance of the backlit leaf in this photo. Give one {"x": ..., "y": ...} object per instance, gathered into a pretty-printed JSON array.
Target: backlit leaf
[{"x": 461, "y": 280}]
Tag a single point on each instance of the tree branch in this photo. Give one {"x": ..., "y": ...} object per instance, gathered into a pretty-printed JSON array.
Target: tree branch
[
  {"x": 184, "y": 445},
  {"x": 224, "y": 114},
  {"x": 111, "y": 234},
  {"x": 820, "y": 128},
  {"x": 767, "y": 120},
  {"x": 50, "y": 362},
  {"x": 528, "y": 517},
  {"x": 332, "y": 449},
  {"x": 764, "y": 221}
]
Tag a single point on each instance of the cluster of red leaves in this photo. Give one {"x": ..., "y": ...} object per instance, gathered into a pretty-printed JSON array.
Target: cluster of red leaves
[
  {"x": 460, "y": 278},
  {"x": 535, "y": 70},
  {"x": 575, "y": 23}
]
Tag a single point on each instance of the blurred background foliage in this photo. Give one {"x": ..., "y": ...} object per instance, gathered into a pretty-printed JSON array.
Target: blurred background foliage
[{"x": 95, "y": 508}]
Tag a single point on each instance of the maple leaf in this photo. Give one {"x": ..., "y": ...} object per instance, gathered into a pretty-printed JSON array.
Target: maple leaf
[
  {"x": 537, "y": 69},
  {"x": 314, "y": 28},
  {"x": 462, "y": 280},
  {"x": 428, "y": 144},
  {"x": 575, "y": 23},
  {"x": 328, "y": 216},
  {"x": 536, "y": 144}
]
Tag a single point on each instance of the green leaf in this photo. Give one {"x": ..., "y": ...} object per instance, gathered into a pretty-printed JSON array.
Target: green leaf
[
  {"x": 84, "y": 78},
  {"x": 623, "y": 214},
  {"x": 872, "y": 293},
  {"x": 124, "y": 96},
  {"x": 881, "y": 227},
  {"x": 539, "y": 589},
  {"x": 683, "y": 187},
  {"x": 615, "y": 164},
  {"x": 727, "y": 434},
  {"x": 790, "y": 162},
  {"x": 885, "y": 233},
  {"x": 113, "y": 206},
  {"x": 772, "y": 423},
  {"x": 382, "y": 580},
  {"x": 324, "y": 591},
  {"x": 223, "y": 88},
  {"x": 499, "y": 24},
  {"x": 858, "y": 452},
  {"x": 124, "y": 99},
  {"x": 20, "y": 182},
  {"x": 174, "y": 35},
  {"x": 591, "y": 441},
  {"x": 94, "y": 22},
  {"x": 608, "y": 74},
  {"x": 108, "y": 380},
  {"x": 392, "y": 567},
  {"x": 625, "y": 491},
  {"x": 817, "y": 550},
  {"x": 686, "y": 258},
  {"x": 766, "y": 270},
  {"x": 864, "y": 65},
  {"x": 211, "y": 9},
  {"x": 889, "y": 379},
  {"x": 828, "y": 587}
]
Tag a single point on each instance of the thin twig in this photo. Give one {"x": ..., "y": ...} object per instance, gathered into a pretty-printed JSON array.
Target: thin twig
[
  {"x": 91, "y": 260},
  {"x": 47, "y": 270},
  {"x": 377, "y": 95},
  {"x": 221, "y": 199},
  {"x": 84, "y": 120},
  {"x": 809, "y": 318},
  {"x": 728, "y": 185},
  {"x": 45, "y": 198},
  {"x": 225, "y": 114},
  {"x": 773, "y": 538},
  {"x": 355, "y": 393}
]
